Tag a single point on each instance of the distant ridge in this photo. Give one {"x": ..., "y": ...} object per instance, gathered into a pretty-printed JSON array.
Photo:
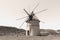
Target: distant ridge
[{"x": 5, "y": 30}]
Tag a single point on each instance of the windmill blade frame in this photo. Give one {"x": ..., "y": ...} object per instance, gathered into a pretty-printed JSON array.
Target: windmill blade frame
[
  {"x": 26, "y": 12},
  {"x": 22, "y": 24},
  {"x": 41, "y": 11},
  {"x": 36, "y": 7},
  {"x": 21, "y": 18}
]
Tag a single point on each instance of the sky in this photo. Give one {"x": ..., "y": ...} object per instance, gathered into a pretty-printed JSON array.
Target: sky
[{"x": 10, "y": 10}]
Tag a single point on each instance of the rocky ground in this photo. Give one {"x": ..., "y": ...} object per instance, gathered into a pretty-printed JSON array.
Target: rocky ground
[{"x": 15, "y": 37}]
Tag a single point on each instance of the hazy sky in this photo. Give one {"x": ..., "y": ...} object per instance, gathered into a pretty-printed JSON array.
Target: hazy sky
[{"x": 10, "y": 10}]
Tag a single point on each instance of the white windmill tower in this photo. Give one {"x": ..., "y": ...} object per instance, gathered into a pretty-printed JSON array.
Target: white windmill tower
[{"x": 33, "y": 23}]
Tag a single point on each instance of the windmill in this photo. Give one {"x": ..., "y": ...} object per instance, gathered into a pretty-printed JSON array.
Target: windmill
[{"x": 33, "y": 22}]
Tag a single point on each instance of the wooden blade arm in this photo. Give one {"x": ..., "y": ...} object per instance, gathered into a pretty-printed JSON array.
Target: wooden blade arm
[{"x": 26, "y": 11}]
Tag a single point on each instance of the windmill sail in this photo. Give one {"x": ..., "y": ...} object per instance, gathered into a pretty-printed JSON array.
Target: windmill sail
[
  {"x": 41, "y": 11},
  {"x": 26, "y": 12}
]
